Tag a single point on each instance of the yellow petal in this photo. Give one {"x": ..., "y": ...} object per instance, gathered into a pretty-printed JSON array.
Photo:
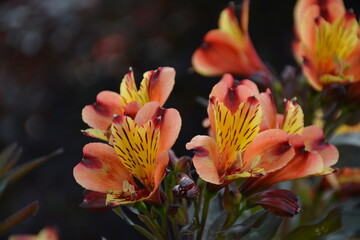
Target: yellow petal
[
  {"x": 234, "y": 132},
  {"x": 137, "y": 147},
  {"x": 293, "y": 118}
]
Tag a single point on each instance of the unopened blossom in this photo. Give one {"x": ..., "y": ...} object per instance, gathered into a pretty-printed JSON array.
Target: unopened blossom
[
  {"x": 155, "y": 86},
  {"x": 229, "y": 49},
  {"x": 140, "y": 151},
  {"x": 186, "y": 188},
  {"x": 327, "y": 42},
  {"x": 280, "y": 202}
]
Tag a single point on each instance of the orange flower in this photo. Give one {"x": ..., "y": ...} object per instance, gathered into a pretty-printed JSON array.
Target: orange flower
[
  {"x": 228, "y": 49},
  {"x": 313, "y": 154},
  {"x": 238, "y": 149},
  {"x": 140, "y": 151},
  {"x": 327, "y": 42},
  {"x": 47, "y": 233},
  {"x": 155, "y": 86}
]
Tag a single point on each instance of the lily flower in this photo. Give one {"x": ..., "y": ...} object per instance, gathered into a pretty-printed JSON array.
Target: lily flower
[
  {"x": 313, "y": 154},
  {"x": 155, "y": 86},
  {"x": 327, "y": 42},
  {"x": 132, "y": 169},
  {"x": 229, "y": 49},
  {"x": 238, "y": 149}
]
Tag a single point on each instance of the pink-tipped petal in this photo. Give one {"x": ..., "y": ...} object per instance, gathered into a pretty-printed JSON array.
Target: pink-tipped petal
[
  {"x": 269, "y": 111},
  {"x": 169, "y": 128},
  {"x": 148, "y": 111},
  {"x": 132, "y": 108},
  {"x": 100, "y": 114},
  {"x": 206, "y": 158},
  {"x": 162, "y": 161},
  {"x": 220, "y": 54},
  {"x": 270, "y": 150},
  {"x": 315, "y": 142},
  {"x": 161, "y": 84},
  {"x": 101, "y": 169}
]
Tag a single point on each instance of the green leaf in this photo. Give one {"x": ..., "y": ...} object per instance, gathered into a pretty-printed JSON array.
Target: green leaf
[
  {"x": 3, "y": 184},
  {"x": 29, "y": 210},
  {"x": 20, "y": 171},
  {"x": 262, "y": 225},
  {"x": 330, "y": 224},
  {"x": 217, "y": 225},
  {"x": 8, "y": 157},
  {"x": 189, "y": 228}
]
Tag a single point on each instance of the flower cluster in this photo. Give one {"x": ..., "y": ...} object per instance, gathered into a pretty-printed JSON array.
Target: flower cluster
[
  {"x": 139, "y": 133},
  {"x": 255, "y": 142}
]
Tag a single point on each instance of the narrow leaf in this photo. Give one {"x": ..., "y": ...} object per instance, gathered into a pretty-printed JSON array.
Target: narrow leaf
[
  {"x": 190, "y": 228},
  {"x": 330, "y": 224},
  {"x": 262, "y": 225},
  {"x": 3, "y": 184},
  {"x": 8, "y": 157},
  {"x": 18, "y": 172},
  {"x": 29, "y": 210},
  {"x": 140, "y": 229}
]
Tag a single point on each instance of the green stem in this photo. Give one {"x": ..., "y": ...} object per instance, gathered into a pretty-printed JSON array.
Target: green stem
[
  {"x": 331, "y": 126},
  {"x": 207, "y": 198},
  {"x": 232, "y": 217},
  {"x": 196, "y": 211},
  {"x": 175, "y": 228},
  {"x": 140, "y": 229},
  {"x": 156, "y": 227},
  {"x": 163, "y": 219}
]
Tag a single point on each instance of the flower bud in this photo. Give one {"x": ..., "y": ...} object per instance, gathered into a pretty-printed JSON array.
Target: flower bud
[
  {"x": 231, "y": 199},
  {"x": 280, "y": 202},
  {"x": 95, "y": 201},
  {"x": 173, "y": 209},
  {"x": 186, "y": 187},
  {"x": 183, "y": 164}
]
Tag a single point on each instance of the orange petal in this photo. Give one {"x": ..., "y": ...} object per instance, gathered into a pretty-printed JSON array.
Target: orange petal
[
  {"x": 315, "y": 142},
  {"x": 148, "y": 111},
  {"x": 268, "y": 107},
  {"x": 47, "y": 233},
  {"x": 232, "y": 92},
  {"x": 303, "y": 165},
  {"x": 132, "y": 108},
  {"x": 168, "y": 119},
  {"x": 244, "y": 18},
  {"x": 101, "y": 169},
  {"x": 220, "y": 54},
  {"x": 228, "y": 23},
  {"x": 162, "y": 161},
  {"x": 100, "y": 114},
  {"x": 270, "y": 150},
  {"x": 170, "y": 126},
  {"x": 206, "y": 158},
  {"x": 161, "y": 84}
]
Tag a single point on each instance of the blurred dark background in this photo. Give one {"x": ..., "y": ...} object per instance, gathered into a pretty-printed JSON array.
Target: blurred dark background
[{"x": 56, "y": 55}]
